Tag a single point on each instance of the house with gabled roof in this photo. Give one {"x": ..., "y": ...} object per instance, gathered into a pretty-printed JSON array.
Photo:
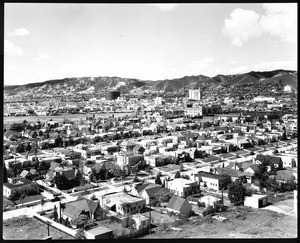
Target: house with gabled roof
[
  {"x": 235, "y": 175},
  {"x": 276, "y": 161},
  {"x": 145, "y": 191},
  {"x": 84, "y": 206},
  {"x": 179, "y": 206},
  {"x": 25, "y": 174}
]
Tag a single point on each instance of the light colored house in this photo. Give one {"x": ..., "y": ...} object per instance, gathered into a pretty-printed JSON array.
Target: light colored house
[
  {"x": 256, "y": 201},
  {"x": 182, "y": 187},
  {"x": 179, "y": 206},
  {"x": 128, "y": 159},
  {"x": 141, "y": 221},
  {"x": 20, "y": 185},
  {"x": 123, "y": 203},
  {"x": 145, "y": 191},
  {"x": 212, "y": 181}
]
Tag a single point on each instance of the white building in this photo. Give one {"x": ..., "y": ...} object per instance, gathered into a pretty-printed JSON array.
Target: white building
[
  {"x": 287, "y": 88},
  {"x": 195, "y": 94},
  {"x": 263, "y": 98}
]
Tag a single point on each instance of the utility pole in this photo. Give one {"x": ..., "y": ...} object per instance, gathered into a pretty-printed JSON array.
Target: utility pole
[{"x": 150, "y": 215}]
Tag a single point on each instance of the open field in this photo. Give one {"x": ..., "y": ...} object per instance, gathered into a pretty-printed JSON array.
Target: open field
[
  {"x": 243, "y": 222},
  {"x": 24, "y": 228}
]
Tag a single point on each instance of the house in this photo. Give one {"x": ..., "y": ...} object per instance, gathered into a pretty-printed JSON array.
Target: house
[
  {"x": 182, "y": 187},
  {"x": 19, "y": 185},
  {"x": 256, "y": 201},
  {"x": 127, "y": 146},
  {"x": 179, "y": 206},
  {"x": 212, "y": 181},
  {"x": 123, "y": 203},
  {"x": 85, "y": 206},
  {"x": 98, "y": 233},
  {"x": 235, "y": 175},
  {"x": 128, "y": 159},
  {"x": 145, "y": 191},
  {"x": 276, "y": 161}
]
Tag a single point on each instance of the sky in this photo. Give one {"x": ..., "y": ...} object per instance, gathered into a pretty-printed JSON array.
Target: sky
[{"x": 146, "y": 41}]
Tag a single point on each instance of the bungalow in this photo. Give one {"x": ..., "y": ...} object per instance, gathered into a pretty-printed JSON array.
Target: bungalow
[
  {"x": 82, "y": 206},
  {"x": 182, "y": 187},
  {"x": 179, "y": 206},
  {"x": 283, "y": 176},
  {"x": 235, "y": 175}
]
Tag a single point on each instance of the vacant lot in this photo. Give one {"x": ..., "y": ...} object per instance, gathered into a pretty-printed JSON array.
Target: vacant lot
[
  {"x": 24, "y": 228},
  {"x": 242, "y": 222}
]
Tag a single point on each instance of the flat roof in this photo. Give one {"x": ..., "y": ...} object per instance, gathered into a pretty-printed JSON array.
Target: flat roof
[
  {"x": 259, "y": 196},
  {"x": 99, "y": 230}
]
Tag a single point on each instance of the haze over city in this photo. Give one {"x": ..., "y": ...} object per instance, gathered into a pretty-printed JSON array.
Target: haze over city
[{"x": 146, "y": 41}]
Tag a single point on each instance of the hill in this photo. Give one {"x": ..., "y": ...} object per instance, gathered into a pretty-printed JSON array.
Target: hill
[{"x": 92, "y": 85}]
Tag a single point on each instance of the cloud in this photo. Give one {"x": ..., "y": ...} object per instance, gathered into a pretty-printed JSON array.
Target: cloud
[
  {"x": 166, "y": 6},
  {"x": 279, "y": 20},
  {"x": 241, "y": 26},
  {"x": 11, "y": 49},
  {"x": 265, "y": 66},
  {"x": 41, "y": 56},
  {"x": 20, "y": 32}
]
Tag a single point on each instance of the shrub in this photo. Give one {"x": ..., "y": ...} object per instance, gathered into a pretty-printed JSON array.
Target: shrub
[{"x": 201, "y": 204}]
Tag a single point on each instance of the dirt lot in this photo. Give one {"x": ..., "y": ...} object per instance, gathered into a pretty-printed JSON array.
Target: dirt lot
[
  {"x": 24, "y": 228},
  {"x": 242, "y": 222}
]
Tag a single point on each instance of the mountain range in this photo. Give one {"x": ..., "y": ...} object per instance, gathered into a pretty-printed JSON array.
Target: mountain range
[{"x": 90, "y": 85}]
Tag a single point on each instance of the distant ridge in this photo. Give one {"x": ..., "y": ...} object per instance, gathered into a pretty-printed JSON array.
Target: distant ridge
[{"x": 89, "y": 85}]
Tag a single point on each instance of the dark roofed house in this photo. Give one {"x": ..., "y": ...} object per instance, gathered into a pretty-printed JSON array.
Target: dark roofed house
[
  {"x": 276, "y": 161},
  {"x": 283, "y": 176},
  {"x": 82, "y": 206},
  {"x": 179, "y": 206}
]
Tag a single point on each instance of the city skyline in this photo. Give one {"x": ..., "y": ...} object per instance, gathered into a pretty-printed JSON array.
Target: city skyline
[{"x": 146, "y": 41}]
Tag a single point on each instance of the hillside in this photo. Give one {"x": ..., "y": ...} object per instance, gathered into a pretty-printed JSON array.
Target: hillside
[{"x": 93, "y": 85}]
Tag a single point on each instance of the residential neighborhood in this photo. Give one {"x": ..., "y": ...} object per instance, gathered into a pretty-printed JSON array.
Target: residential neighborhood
[{"x": 127, "y": 167}]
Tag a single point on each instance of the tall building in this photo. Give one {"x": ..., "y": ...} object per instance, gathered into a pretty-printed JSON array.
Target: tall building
[{"x": 195, "y": 94}]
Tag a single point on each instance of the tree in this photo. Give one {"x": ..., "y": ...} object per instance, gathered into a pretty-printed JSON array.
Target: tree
[
  {"x": 261, "y": 175},
  {"x": 55, "y": 214},
  {"x": 157, "y": 179},
  {"x": 293, "y": 161},
  {"x": 236, "y": 193},
  {"x": 177, "y": 175},
  {"x": 81, "y": 221},
  {"x": 80, "y": 234}
]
